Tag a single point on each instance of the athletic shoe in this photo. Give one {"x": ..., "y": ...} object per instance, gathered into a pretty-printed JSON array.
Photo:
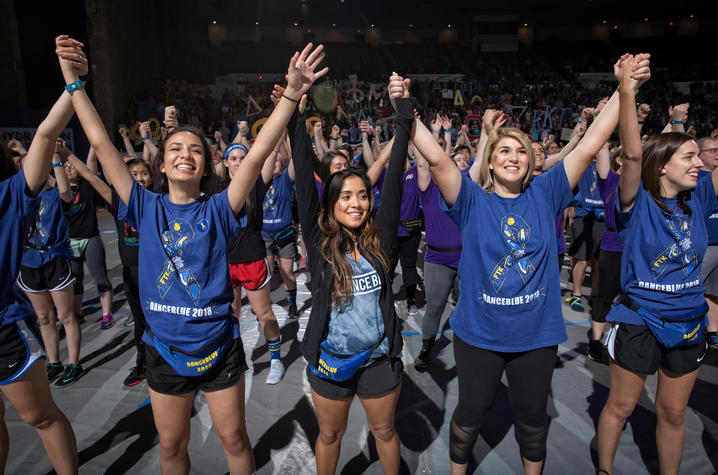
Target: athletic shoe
[
  {"x": 292, "y": 311},
  {"x": 421, "y": 363},
  {"x": 575, "y": 303},
  {"x": 713, "y": 340},
  {"x": 107, "y": 322},
  {"x": 135, "y": 377},
  {"x": 130, "y": 320},
  {"x": 276, "y": 372},
  {"x": 595, "y": 350},
  {"x": 413, "y": 311},
  {"x": 53, "y": 371},
  {"x": 72, "y": 373}
]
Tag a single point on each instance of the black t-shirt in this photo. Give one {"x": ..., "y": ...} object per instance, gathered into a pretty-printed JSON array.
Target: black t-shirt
[
  {"x": 83, "y": 215},
  {"x": 247, "y": 244},
  {"x": 128, "y": 239}
]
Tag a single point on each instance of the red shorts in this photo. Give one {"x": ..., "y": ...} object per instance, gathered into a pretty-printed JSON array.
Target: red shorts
[{"x": 250, "y": 275}]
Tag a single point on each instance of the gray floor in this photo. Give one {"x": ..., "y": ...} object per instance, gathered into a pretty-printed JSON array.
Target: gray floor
[{"x": 115, "y": 432}]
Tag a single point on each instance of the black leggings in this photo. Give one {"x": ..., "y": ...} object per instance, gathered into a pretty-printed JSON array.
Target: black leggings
[
  {"x": 529, "y": 377},
  {"x": 406, "y": 250},
  {"x": 132, "y": 292},
  {"x": 609, "y": 265}
]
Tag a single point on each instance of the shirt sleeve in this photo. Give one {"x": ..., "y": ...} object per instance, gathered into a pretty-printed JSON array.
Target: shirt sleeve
[
  {"x": 468, "y": 197},
  {"x": 554, "y": 185},
  {"x": 227, "y": 221},
  {"x": 20, "y": 200},
  {"x": 623, "y": 218},
  {"x": 132, "y": 211}
]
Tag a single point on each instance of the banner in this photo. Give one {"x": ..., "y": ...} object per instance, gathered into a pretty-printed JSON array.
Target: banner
[{"x": 24, "y": 135}]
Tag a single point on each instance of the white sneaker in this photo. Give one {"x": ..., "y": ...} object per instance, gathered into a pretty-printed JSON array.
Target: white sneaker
[
  {"x": 413, "y": 311},
  {"x": 276, "y": 372}
]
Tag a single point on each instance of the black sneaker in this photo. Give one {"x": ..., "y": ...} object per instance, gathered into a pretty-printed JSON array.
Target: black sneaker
[
  {"x": 72, "y": 373},
  {"x": 53, "y": 371},
  {"x": 130, "y": 320},
  {"x": 292, "y": 311},
  {"x": 595, "y": 350},
  {"x": 422, "y": 361},
  {"x": 134, "y": 378}
]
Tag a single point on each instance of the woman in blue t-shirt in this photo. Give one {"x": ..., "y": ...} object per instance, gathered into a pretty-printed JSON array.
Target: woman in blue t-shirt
[
  {"x": 192, "y": 336},
  {"x": 22, "y": 381},
  {"x": 508, "y": 317},
  {"x": 660, "y": 218}
]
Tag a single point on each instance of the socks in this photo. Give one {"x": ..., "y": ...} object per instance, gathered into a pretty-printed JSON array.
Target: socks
[
  {"x": 274, "y": 346},
  {"x": 291, "y": 296}
]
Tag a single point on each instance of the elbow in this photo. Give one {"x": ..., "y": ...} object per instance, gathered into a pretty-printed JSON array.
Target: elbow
[{"x": 66, "y": 196}]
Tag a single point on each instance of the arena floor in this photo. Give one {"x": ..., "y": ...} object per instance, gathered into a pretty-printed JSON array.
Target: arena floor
[{"x": 115, "y": 432}]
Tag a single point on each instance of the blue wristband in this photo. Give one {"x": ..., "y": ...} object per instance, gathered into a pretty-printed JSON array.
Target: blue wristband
[
  {"x": 56, "y": 165},
  {"x": 677, "y": 122},
  {"x": 72, "y": 87}
]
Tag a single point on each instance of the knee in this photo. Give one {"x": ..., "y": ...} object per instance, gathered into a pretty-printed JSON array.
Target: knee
[
  {"x": 264, "y": 313},
  {"x": 532, "y": 441},
  {"x": 40, "y": 419},
  {"x": 620, "y": 408},
  {"x": 45, "y": 317},
  {"x": 174, "y": 445},
  {"x": 67, "y": 318},
  {"x": 383, "y": 432},
  {"x": 330, "y": 435},
  {"x": 670, "y": 414},
  {"x": 234, "y": 441}
]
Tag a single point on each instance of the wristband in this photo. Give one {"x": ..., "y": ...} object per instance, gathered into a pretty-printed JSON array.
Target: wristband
[
  {"x": 677, "y": 122},
  {"x": 640, "y": 121},
  {"x": 447, "y": 130},
  {"x": 579, "y": 121},
  {"x": 73, "y": 86},
  {"x": 145, "y": 138},
  {"x": 296, "y": 101},
  {"x": 56, "y": 165}
]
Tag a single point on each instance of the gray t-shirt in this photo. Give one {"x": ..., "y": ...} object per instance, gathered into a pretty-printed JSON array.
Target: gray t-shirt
[{"x": 358, "y": 326}]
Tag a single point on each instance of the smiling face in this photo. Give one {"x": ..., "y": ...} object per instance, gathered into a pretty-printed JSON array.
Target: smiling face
[
  {"x": 141, "y": 174},
  {"x": 353, "y": 204},
  {"x": 540, "y": 156},
  {"x": 233, "y": 160},
  {"x": 509, "y": 163},
  {"x": 680, "y": 173},
  {"x": 184, "y": 160}
]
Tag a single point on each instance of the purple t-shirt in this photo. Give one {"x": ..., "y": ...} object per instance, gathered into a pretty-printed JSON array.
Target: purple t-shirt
[
  {"x": 320, "y": 188},
  {"x": 409, "y": 200},
  {"x": 441, "y": 231},
  {"x": 607, "y": 188}
]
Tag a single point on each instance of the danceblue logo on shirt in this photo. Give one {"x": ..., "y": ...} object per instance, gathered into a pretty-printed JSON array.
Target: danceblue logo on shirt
[
  {"x": 175, "y": 238},
  {"x": 202, "y": 225},
  {"x": 516, "y": 233},
  {"x": 680, "y": 227}
]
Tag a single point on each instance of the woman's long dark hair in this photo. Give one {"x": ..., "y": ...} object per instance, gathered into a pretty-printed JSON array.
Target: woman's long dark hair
[
  {"x": 656, "y": 152},
  {"x": 208, "y": 182},
  {"x": 325, "y": 163},
  {"x": 7, "y": 164},
  {"x": 338, "y": 241}
]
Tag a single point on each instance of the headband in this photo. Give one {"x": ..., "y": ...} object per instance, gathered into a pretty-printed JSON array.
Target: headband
[{"x": 234, "y": 146}]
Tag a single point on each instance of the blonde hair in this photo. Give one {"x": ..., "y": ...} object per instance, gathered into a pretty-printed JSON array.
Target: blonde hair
[{"x": 486, "y": 176}]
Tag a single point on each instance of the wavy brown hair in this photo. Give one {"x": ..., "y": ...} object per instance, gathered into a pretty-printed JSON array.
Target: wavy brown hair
[
  {"x": 338, "y": 240},
  {"x": 657, "y": 151}
]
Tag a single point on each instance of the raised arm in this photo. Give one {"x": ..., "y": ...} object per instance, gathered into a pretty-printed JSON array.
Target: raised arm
[
  {"x": 63, "y": 184},
  {"x": 605, "y": 123},
  {"x": 149, "y": 149},
  {"x": 552, "y": 160},
  {"x": 72, "y": 59},
  {"x": 100, "y": 186},
  {"x": 423, "y": 173},
  {"x": 319, "y": 143},
  {"x": 603, "y": 161},
  {"x": 366, "y": 131},
  {"x": 300, "y": 76},
  {"x": 446, "y": 126},
  {"x": 128, "y": 144},
  {"x": 376, "y": 168},
  {"x": 632, "y": 151},
  {"x": 492, "y": 119}
]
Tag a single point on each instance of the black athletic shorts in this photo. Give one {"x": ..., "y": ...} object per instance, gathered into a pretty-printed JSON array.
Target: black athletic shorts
[
  {"x": 20, "y": 349},
  {"x": 586, "y": 237},
  {"x": 53, "y": 276},
  {"x": 163, "y": 379},
  {"x": 376, "y": 380},
  {"x": 635, "y": 348}
]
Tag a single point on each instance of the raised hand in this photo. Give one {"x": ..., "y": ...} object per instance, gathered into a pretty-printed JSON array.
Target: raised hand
[
  {"x": 335, "y": 130},
  {"x": 171, "y": 117},
  {"x": 679, "y": 112},
  {"x": 302, "y": 69},
  {"x": 586, "y": 114},
  {"x": 16, "y": 146},
  {"x": 445, "y": 122},
  {"x": 436, "y": 124},
  {"x": 366, "y": 127},
  {"x": 642, "y": 68},
  {"x": 243, "y": 127},
  {"x": 581, "y": 129},
  {"x": 487, "y": 119},
  {"x": 123, "y": 132},
  {"x": 318, "y": 129},
  {"x": 600, "y": 105},
  {"x": 73, "y": 61},
  {"x": 643, "y": 111}
]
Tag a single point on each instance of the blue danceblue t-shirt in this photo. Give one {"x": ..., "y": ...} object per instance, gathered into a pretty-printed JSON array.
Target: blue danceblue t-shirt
[
  {"x": 278, "y": 204},
  {"x": 662, "y": 254},
  {"x": 588, "y": 200},
  {"x": 510, "y": 296},
  {"x": 52, "y": 233},
  {"x": 18, "y": 210},
  {"x": 187, "y": 300},
  {"x": 359, "y": 325}
]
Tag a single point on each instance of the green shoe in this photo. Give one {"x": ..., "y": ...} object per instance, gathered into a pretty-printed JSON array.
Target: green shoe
[
  {"x": 53, "y": 371},
  {"x": 71, "y": 374}
]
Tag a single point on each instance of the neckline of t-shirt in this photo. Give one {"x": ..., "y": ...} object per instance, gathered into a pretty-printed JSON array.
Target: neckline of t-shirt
[{"x": 165, "y": 197}]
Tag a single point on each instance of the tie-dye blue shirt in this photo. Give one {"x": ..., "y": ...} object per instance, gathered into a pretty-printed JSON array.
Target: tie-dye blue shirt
[{"x": 359, "y": 325}]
